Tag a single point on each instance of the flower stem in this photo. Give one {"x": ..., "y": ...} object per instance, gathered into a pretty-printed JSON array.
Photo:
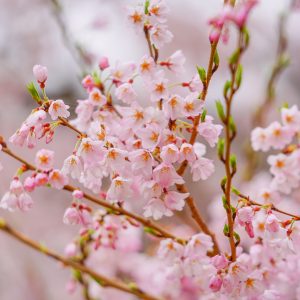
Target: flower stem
[
  {"x": 156, "y": 229},
  {"x": 102, "y": 280}
]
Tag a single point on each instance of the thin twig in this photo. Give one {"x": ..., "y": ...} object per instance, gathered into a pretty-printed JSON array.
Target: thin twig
[
  {"x": 156, "y": 229},
  {"x": 270, "y": 206},
  {"x": 75, "y": 50},
  {"x": 199, "y": 220},
  {"x": 102, "y": 280}
]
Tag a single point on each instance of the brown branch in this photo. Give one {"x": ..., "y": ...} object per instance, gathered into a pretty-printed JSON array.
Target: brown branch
[
  {"x": 211, "y": 69},
  {"x": 230, "y": 134},
  {"x": 84, "y": 254},
  {"x": 199, "y": 220},
  {"x": 156, "y": 229},
  {"x": 270, "y": 206},
  {"x": 147, "y": 36},
  {"x": 102, "y": 280},
  {"x": 194, "y": 134},
  {"x": 66, "y": 123}
]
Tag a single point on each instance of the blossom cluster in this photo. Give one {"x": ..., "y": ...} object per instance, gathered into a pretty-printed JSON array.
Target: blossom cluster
[{"x": 137, "y": 131}]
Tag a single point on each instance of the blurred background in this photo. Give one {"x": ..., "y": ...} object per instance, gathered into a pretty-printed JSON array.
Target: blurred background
[{"x": 50, "y": 33}]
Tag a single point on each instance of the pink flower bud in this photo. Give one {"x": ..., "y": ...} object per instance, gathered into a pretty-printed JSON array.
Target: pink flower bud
[
  {"x": 70, "y": 250},
  {"x": 219, "y": 261},
  {"x": 88, "y": 83},
  {"x": 71, "y": 216},
  {"x": 245, "y": 214},
  {"x": 41, "y": 74},
  {"x": 49, "y": 136},
  {"x": 215, "y": 283},
  {"x": 214, "y": 36},
  {"x": 29, "y": 184},
  {"x": 41, "y": 179},
  {"x": 272, "y": 223},
  {"x": 249, "y": 229},
  {"x": 103, "y": 63},
  {"x": 16, "y": 186},
  {"x": 77, "y": 194}
]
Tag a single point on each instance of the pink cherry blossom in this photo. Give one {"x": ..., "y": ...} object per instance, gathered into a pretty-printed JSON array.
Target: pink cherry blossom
[
  {"x": 96, "y": 97},
  {"x": 170, "y": 250},
  {"x": 77, "y": 216},
  {"x": 174, "y": 200},
  {"x": 160, "y": 35},
  {"x": 90, "y": 150},
  {"x": 147, "y": 67},
  {"x": 198, "y": 245},
  {"x": 166, "y": 175},
  {"x": 16, "y": 186},
  {"x": 57, "y": 179},
  {"x": 16, "y": 198},
  {"x": 44, "y": 159},
  {"x": 142, "y": 161},
  {"x": 210, "y": 131},
  {"x": 136, "y": 17},
  {"x": 122, "y": 72},
  {"x": 156, "y": 208},
  {"x": 187, "y": 152},
  {"x": 202, "y": 168},
  {"x": 35, "y": 118},
  {"x": 272, "y": 223},
  {"x": 158, "y": 10},
  {"x": 169, "y": 154},
  {"x": 88, "y": 83},
  {"x": 158, "y": 87},
  {"x": 9, "y": 201},
  {"x": 260, "y": 139},
  {"x": 175, "y": 62},
  {"x": 279, "y": 136},
  {"x": 291, "y": 117},
  {"x": 72, "y": 166},
  {"x": 58, "y": 109},
  {"x": 173, "y": 107},
  {"x": 126, "y": 93},
  {"x": 192, "y": 105},
  {"x": 150, "y": 136},
  {"x": 119, "y": 191},
  {"x": 25, "y": 202}
]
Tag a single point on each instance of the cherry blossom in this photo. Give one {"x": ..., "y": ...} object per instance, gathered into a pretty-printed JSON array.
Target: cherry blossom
[
  {"x": 44, "y": 159},
  {"x": 58, "y": 109}
]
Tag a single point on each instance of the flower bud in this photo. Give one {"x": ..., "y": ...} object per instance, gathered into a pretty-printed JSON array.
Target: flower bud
[
  {"x": 77, "y": 194},
  {"x": 103, "y": 63},
  {"x": 215, "y": 283},
  {"x": 29, "y": 184},
  {"x": 272, "y": 223},
  {"x": 41, "y": 74}
]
